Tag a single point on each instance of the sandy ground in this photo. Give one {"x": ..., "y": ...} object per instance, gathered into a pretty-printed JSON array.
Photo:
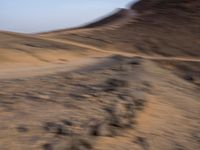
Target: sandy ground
[
  {"x": 87, "y": 107},
  {"x": 130, "y": 85},
  {"x": 105, "y": 100},
  {"x": 15, "y": 64}
]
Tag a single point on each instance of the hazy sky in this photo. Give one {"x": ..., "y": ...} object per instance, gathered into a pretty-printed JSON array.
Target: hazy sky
[{"x": 43, "y": 15}]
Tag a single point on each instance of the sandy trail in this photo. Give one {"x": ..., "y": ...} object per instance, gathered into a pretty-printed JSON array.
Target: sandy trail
[
  {"x": 51, "y": 68},
  {"x": 24, "y": 72},
  {"x": 127, "y": 54}
]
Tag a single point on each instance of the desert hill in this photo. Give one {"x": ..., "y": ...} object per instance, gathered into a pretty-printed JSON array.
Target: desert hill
[
  {"x": 22, "y": 50},
  {"x": 129, "y": 81},
  {"x": 168, "y": 28}
]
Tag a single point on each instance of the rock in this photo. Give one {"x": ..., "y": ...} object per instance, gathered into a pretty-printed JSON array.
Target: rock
[
  {"x": 107, "y": 130},
  {"x": 99, "y": 128},
  {"x": 118, "y": 57},
  {"x": 95, "y": 127},
  {"x": 125, "y": 113},
  {"x": 67, "y": 122},
  {"x": 142, "y": 142},
  {"x": 22, "y": 129},
  {"x": 196, "y": 136},
  {"x": 179, "y": 147},
  {"x": 125, "y": 97},
  {"x": 147, "y": 84},
  {"x": 139, "y": 103},
  {"x": 117, "y": 82},
  {"x": 114, "y": 84},
  {"x": 189, "y": 77},
  {"x": 135, "y": 61},
  {"x": 56, "y": 128},
  {"x": 47, "y": 146},
  {"x": 80, "y": 96},
  {"x": 121, "y": 115},
  {"x": 80, "y": 143},
  {"x": 118, "y": 68},
  {"x": 103, "y": 127}
]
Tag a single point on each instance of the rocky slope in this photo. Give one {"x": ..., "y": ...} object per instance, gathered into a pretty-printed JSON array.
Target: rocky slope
[
  {"x": 120, "y": 103},
  {"x": 162, "y": 27}
]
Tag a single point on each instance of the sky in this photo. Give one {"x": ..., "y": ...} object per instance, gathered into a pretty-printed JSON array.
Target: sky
[{"x": 30, "y": 16}]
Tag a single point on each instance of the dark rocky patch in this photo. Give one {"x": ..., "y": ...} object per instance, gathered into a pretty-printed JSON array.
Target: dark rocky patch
[
  {"x": 196, "y": 136},
  {"x": 67, "y": 122},
  {"x": 114, "y": 84},
  {"x": 56, "y": 128},
  {"x": 179, "y": 147},
  {"x": 47, "y": 146},
  {"x": 118, "y": 57},
  {"x": 78, "y": 143},
  {"x": 135, "y": 61},
  {"x": 142, "y": 142},
  {"x": 140, "y": 103},
  {"x": 22, "y": 129},
  {"x": 189, "y": 77},
  {"x": 120, "y": 116},
  {"x": 95, "y": 126}
]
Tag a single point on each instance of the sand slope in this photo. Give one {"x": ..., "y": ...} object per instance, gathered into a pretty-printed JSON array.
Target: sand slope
[{"x": 128, "y": 82}]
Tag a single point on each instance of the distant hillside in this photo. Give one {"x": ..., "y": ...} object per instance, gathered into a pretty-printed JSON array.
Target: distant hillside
[
  {"x": 167, "y": 6},
  {"x": 112, "y": 18},
  {"x": 160, "y": 27}
]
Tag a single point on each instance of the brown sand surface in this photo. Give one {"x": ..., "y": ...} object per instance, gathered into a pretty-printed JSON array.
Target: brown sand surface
[{"x": 130, "y": 81}]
